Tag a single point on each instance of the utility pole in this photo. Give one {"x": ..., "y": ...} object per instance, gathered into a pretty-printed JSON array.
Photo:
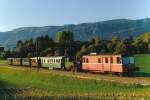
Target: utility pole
[{"x": 38, "y": 63}]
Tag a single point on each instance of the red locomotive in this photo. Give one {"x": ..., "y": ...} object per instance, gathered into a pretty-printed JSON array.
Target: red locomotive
[{"x": 118, "y": 64}]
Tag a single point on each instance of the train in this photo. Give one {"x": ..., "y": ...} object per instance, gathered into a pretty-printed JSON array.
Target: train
[
  {"x": 40, "y": 62},
  {"x": 115, "y": 64}
]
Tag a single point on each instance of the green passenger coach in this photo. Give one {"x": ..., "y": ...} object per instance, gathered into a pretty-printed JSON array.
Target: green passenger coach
[
  {"x": 26, "y": 62},
  {"x": 53, "y": 62},
  {"x": 9, "y": 61}
]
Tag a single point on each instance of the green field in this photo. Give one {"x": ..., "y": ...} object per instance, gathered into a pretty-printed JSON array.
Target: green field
[
  {"x": 143, "y": 62},
  {"x": 26, "y": 83}
]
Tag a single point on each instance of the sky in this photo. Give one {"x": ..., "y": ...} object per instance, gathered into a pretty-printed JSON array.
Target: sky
[{"x": 27, "y": 13}]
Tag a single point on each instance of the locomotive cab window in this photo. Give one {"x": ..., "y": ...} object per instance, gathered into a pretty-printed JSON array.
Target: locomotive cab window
[
  {"x": 111, "y": 60},
  {"x": 87, "y": 60},
  {"x": 106, "y": 60},
  {"x": 128, "y": 60},
  {"x": 132, "y": 60},
  {"x": 118, "y": 60},
  {"x": 83, "y": 60},
  {"x": 99, "y": 60}
]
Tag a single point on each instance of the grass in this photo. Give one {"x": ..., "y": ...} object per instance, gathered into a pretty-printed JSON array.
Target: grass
[
  {"x": 143, "y": 62},
  {"x": 68, "y": 64},
  {"x": 20, "y": 83},
  {"x": 16, "y": 83},
  {"x": 3, "y": 62}
]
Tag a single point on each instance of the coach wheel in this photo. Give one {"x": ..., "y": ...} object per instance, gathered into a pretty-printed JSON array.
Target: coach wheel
[
  {"x": 120, "y": 74},
  {"x": 131, "y": 74}
]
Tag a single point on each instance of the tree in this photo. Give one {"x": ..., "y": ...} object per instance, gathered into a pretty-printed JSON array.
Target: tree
[
  {"x": 20, "y": 49},
  {"x": 97, "y": 40},
  {"x": 58, "y": 37},
  {"x": 58, "y": 53},
  {"x": 2, "y": 55},
  {"x": 65, "y": 42},
  {"x": 140, "y": 46},
  {"x": 82, "y": 51},
  {"x": 120, "y": 48},
  {"x": 30, "y": 55},
  {"x": 145, "y": 37},
  {"x": 110, "y": 47},
  {"x": 149, "y": 47},
  {"x": 67, "y": 37},
  {"x": 92, "y": 41},
  {"x": 115, "y": 39},
  {"x": 49, "y": 52}
]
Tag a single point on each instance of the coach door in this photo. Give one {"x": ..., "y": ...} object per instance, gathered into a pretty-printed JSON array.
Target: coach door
[
  {"x": 103, "y": 64},
  {"x": 106, "y": 64},
  {"x": 111, "y": 62}
]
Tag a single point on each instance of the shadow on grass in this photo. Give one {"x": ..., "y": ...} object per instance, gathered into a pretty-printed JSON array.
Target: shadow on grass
[
  {"x": 142, "y": 74},
  {"x": 7, "y": 91},
  {"x": 81, "y": 98}
]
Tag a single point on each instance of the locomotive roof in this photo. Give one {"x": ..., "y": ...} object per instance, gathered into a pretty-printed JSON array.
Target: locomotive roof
[{"x": 106, "y": 55}]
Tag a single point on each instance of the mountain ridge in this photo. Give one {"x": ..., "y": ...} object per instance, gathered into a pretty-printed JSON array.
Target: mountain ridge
[{"x": 105, "y": 29}]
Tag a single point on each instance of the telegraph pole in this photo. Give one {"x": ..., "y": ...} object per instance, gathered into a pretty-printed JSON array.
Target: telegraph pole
[{"x": 37, "y": 56}]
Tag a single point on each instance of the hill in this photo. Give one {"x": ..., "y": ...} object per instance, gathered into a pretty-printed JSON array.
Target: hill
[{"x": 105, "y": 29}]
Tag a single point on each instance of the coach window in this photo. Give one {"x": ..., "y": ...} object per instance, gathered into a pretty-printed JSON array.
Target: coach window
[
  {"x": 56, "y": 60},
  {"x": 83, "y": 60},
  {"x": 118, "y": 60},
  {"x": 87, "y": 60},
  {"x": 99, "y": 60},
  {"x": 106, "y": 60},
  {"x": 59, "y": 60},
  {"x": 111, "y": 60}
]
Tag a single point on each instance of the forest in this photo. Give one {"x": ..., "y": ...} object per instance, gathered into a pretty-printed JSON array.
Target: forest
[{"x": 64, "y": 44}]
